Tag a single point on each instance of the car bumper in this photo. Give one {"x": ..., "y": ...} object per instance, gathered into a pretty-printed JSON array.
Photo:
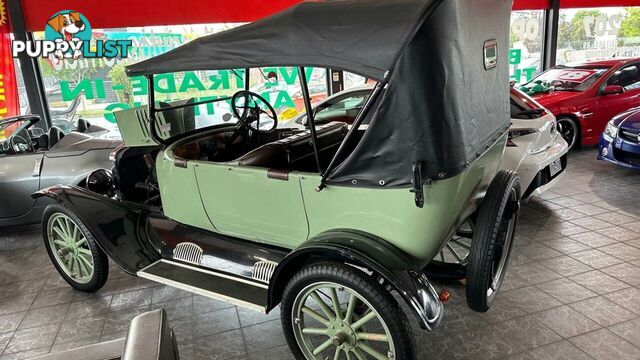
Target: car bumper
[
  {"x": 534, "y": 168},
  {"x": 619, "y": 152}
]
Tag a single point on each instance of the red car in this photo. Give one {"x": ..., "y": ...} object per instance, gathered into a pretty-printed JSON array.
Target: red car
[{"x": 584, "y": 96}]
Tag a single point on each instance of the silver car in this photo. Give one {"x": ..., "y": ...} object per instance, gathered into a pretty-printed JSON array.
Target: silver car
[{"x": 31, "y": 160}]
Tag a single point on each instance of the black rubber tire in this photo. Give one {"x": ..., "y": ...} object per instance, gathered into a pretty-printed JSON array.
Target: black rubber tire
[
  {"x": 487, "y": 240},
  {"x": 576, "y": 131},
  {"x": 100, "y": 260},
  {"x": 366, "y": 286}
]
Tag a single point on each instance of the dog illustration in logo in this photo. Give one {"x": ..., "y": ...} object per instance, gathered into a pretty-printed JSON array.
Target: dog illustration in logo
[{"x": 67, "y": 25}]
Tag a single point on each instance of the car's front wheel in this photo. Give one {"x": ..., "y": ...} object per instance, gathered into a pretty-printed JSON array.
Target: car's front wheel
[
  {"x": 73, "y": 249},
  {"x": 569, "y": 130},
  {"x": 334, "y": 311}
]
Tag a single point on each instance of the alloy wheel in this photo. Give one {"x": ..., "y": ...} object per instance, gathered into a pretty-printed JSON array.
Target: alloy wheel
[
  {"x": 70, "y": 248},
  {"x": 568, "y": 130},
  {"x": 332, "y": 321}
]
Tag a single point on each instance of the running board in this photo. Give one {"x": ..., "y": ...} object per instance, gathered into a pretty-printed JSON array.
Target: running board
[{"x": 231, "y": 289}]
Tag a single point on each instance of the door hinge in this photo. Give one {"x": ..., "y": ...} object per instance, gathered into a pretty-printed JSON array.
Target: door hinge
[{"x": 417, "y": 190}]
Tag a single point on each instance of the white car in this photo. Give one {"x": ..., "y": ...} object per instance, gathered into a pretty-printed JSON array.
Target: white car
[{"x": 535, "y": 149}]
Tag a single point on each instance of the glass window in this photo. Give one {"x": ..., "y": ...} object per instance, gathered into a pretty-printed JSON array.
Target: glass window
[
  {"x": 597, "y": 33},
  {"x": 525, "y": 54},
  {"x": 627, "y": 77}
]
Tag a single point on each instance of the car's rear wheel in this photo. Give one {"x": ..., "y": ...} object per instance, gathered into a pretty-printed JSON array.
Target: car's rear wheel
[
  {"x": 492, "y": 240},
  {"x": 569, "y": 130},
  {"x": 334, "y": 311},
  {"x": 73, "y": 249}
]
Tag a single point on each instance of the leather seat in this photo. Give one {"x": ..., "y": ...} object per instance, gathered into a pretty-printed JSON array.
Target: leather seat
[
  {"x": 54, "y": 135},
  {"x": 285, "y": 153},
  {"x": 83, "y": 126}
]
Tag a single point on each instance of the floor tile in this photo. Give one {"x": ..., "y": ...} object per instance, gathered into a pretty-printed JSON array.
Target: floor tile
[
  {"x": 566, "y": 291},
  {"x": 131, "y": 299},
  {"x": 626, "y": 272},
  {"x": 599, "y": 282},
  {"x": 220, "y": 346},
  {"x": 629, "y": 331},
  {"x": 628, "y": 298},
  {"x": 562, "y": 350},
  {"x": 566, "y": 266},
  {"x": 44, "y": 316},
  {"x": 33, "y": 338},
  {"x": 10, "y": 322},
  {"x": 566, "y": 321},
  {"x": 215, "y": 322},
  {"x": 603, "y": 311},
  {"x": 593, "y": 239},
  {"x": 526, "y": 332},
  {"x": 566, "y": 245},
  {"x": 596, "y": 258},
  {"x": 80, "y": 328},
  {"x": 16, "y": 304},
  {"x": 604, "y": 345},
  {"x": 263, "y": 336}
]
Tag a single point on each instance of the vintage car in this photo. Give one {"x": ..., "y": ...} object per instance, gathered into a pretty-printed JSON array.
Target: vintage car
[
  {"x": 32, "y": 160},
  {"x": 584, "y": 96},
  {"x": 620, "y": 141},
  {"x": 328, "y": 222}
]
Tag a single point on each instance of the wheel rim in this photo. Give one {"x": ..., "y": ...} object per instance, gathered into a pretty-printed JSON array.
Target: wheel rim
[
  {"x": 503, "y": 249},
  {"x": 70, "y": 248},
  {"x": 332, "y": 321},
  {"x": 458, "y": 249},
  {"x": 567, "y": 129}
]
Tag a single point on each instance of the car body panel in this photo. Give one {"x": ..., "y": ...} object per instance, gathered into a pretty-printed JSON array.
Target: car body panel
[
  {"x": 69, "y": 161},
  {"x": 624, "y": 150},
  {"x": 531, "y": 154},
  {"x": 591, "y": 108},
  {"x": 391, "y": 213}
]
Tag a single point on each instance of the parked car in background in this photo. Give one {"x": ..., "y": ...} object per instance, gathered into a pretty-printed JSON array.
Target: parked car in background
[
  {"x": 584, "y": 96},
  {"x": 620, "y": 141},
  {"x": 30, "y": 162},
  {"x": 535, "y": 149}
]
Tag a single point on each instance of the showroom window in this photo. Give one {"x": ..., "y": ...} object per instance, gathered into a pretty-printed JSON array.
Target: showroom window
[
  {"x": 93, "y": 89},
  {"x": 525, "y": 53},
  {"x": 598, "y": 33}
]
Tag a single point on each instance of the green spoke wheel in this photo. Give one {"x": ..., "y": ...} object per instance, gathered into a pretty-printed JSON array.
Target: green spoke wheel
[
  {"x": 73, "y": 250},
  {"x": 70, "y": 248},
  {"x": 334, "y": 311}
]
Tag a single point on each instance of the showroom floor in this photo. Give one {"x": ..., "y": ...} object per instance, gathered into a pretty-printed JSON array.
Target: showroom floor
[{"x": 572, "y": 291}]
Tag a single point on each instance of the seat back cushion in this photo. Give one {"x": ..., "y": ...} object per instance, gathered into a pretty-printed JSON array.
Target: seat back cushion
[{"x": 150, "y": 338}]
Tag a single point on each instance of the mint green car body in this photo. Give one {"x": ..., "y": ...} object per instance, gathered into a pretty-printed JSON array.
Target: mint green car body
[{"x": 243, "y": 202}]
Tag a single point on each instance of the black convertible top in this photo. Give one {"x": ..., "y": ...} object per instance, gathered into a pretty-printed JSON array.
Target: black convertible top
[
  {"x": 361, "y": 36},
  {"x": 441, "y": 105}
]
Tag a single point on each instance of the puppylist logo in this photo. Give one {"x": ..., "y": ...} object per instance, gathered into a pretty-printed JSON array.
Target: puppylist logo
[{"x": 67, "y": 35}]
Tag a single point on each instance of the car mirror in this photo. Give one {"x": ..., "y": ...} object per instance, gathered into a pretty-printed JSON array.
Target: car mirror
[
  {"x": 613, "y": 90},
  {"x": 101, "y": 181},
  {"x": 226, "y": 117}
]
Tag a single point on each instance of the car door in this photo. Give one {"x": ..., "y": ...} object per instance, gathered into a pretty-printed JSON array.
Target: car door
[
  {"x": 19, "y": 178},
  {"x": 628, "y": 77},
  {"x": 253, "y": 203}
]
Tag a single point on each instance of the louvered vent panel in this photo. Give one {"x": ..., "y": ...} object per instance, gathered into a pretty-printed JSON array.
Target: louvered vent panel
[
  {"x": 188, "y": 252},
  {"x": 262, "y": 270}
]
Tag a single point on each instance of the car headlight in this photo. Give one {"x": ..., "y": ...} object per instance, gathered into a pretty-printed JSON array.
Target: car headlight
[
  {"x": 610, "y": 132},
  {"x": 517, "y": 133}
]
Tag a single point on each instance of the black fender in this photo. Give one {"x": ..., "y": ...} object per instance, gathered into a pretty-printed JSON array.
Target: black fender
[
  {"x": 113, "y": 223},
  {"x": 366, "y": 251}
]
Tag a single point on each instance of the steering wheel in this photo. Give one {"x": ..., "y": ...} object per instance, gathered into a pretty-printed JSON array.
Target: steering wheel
[
  {"x": 246, "y": 108},
  {"x": 21, "y": 146}
]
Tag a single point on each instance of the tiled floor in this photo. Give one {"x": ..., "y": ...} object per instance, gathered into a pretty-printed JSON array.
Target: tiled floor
[{"x": 572, "y": 291}]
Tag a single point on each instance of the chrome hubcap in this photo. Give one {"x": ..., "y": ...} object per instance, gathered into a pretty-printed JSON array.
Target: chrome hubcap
[
  {"x": 331, "y": 321},
  {"x": 70, "y": 248}
]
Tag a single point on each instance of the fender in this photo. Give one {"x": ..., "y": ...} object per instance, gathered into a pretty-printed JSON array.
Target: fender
[
  {"x": 112, "y": 223},
  {"x": 364, "y": 250}
]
